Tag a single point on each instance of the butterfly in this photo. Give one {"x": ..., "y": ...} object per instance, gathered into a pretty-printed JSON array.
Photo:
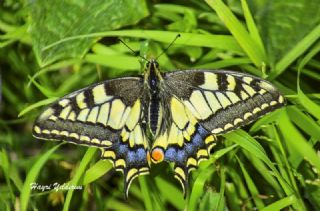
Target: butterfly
[{"x": 173, "y": 117}]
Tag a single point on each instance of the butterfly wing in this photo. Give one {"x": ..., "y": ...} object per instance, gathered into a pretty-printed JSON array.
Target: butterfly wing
[
  {"x": 106, "y": 115},
  {"x": 208, "y": 103},
  {"x": 223, "y": 101}
]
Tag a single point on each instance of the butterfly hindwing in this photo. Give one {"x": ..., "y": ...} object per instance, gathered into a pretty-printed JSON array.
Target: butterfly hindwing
[
  {"x": 129, "y": 153},
  {"x": 106, "y": 115}
]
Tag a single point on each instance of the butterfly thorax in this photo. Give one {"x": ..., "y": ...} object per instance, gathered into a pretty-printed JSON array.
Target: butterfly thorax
[{"x": 153, "y": 80}]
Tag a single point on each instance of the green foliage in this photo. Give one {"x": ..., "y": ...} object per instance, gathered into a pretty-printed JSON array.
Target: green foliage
[
  {"x": 50, "y": 48},
  {"x": 65, "y": 19}
]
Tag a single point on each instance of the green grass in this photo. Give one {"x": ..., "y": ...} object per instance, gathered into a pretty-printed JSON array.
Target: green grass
[{"x": 49, "y": 49}]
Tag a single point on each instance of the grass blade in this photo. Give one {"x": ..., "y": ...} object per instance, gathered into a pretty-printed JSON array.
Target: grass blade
[
  {"x": 36, "y": 105},
  {"x": 297, "y": 51},
  {"x": 251, "y": 186},
  {"x": 252, "y": 27},
  {"x": 204, "y": 40},
  {"x": 147, "y": 200},
  {"x": 280, "y": 204},
  {"x": 99, "y": 169},
  {"x": 80, "y": 172},
  {"x": 297, "y": 141},
  {"x": 252, "y": 49},
  {"x": 197, "y": 189},
  {"x": 32, "y": 176}
]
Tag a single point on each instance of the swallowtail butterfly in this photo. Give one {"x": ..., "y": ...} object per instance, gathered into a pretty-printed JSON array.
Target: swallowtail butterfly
[{"x": 173, "y": 117}]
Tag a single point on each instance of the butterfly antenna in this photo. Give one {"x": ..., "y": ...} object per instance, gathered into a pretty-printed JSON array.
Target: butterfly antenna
[
  {"x": 165, "y": 50},
  {"x": 134, "y": 52}
]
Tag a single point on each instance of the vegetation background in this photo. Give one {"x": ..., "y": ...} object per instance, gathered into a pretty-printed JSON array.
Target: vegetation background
[{"x": 51, "y": 48}]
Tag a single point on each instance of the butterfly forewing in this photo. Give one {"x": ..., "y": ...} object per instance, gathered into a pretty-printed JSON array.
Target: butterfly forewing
[{"x": 106, "y": 115}]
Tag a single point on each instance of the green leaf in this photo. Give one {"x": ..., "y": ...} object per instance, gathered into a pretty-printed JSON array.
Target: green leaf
[
  {"x": 99, "y": 169},
  {"x": 5, "y": 165},
  {"x": 55, "y": 20},
  {"x": 304, "y": 122},
  {"x": 262, "y": 168},
  {"x": 252, "y": 27},
  {"x": 32, "y": 177},
  {"x": 248, "y": 44},
  {"x": 295, "y": 139},
  {"x": 225, "y": 42},
  {"x": 45, "y": 91},
  {"x": 79, "y": 173},
  {"x": 297, "y": 50},
  {"x": 271, "y": 117},
  {"x": 170, "y": 193},
  {"x": 313, "y": 193},
  {"x": 224, "y": 63},
  {"x": 114, "y": 204},
  {"x": 280, "y": 204},
  {"x": 198, "y": 187},
  {"x": 131, "y": 63},
  {"x": 244, "y": 140},
  {"x": 305, "y": 101},
  {"x": 145, "y": 194},
  {"x": 36, "y": 105},
  {"x": 251, "y": 145},
  {"x": 212, "y": 201},
  {"x": 232, "y": 191},
  {"x": 283, "y": 24},
  {"x": 53, "y": 68},
  {"x": 220, "y": 200},
  {"x": 251, "y": 186}
]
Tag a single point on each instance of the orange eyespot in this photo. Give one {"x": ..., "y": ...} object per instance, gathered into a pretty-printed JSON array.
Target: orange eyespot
[{"x": 157, "y": 155}]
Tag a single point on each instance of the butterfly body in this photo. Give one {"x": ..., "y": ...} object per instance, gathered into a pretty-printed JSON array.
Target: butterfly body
[
  {"x": 173, "y": 117},
  {"x": 153, "y": 81}
]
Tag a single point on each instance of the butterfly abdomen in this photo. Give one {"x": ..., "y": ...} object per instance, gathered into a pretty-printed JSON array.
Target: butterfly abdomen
[{"x": 155, "y": 115}]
